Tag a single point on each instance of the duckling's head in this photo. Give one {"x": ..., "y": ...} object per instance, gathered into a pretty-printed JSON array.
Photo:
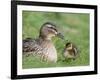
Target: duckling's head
[
  {"x": 49, "y": 30},
  {"x": 72, "y": 51},
  {"x": 69, "y": 46}
]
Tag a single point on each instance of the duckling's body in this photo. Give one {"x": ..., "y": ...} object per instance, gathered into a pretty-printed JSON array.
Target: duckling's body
[
  {"x": 70, "y": 51},
  {"x": 43, "y": 46}
]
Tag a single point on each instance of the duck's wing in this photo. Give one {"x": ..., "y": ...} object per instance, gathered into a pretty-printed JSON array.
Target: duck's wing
[
  {"x": 30, "y": 45},
  {"x": 76, "y": 51}
]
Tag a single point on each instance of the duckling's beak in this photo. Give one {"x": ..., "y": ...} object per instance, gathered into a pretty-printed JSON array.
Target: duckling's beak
[{"x": 60, "y": 35}]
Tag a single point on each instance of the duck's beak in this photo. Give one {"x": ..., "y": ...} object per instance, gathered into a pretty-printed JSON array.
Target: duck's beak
[{"x": 60, "y": 35}]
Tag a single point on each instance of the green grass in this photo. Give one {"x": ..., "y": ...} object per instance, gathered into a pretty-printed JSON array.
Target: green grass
[{"x": 75, "y": 28}]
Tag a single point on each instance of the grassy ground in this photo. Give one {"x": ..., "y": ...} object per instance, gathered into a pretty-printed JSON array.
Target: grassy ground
[{"x": 75, "y": 28}]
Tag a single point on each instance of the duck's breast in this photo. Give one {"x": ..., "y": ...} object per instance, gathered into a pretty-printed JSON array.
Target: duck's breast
[{"x": 50, "y": 52}]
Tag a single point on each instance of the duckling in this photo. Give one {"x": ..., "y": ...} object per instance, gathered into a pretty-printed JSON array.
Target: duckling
[
  {"x": 43, "y": 45},
  {"x": 70, "y": 51}
]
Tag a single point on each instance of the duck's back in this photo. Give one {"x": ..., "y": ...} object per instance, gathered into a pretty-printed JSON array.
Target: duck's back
[{"x": 30, "y": 45}]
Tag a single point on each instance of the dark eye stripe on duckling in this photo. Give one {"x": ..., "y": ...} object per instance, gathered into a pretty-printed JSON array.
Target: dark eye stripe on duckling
[{"x": 68, "y": 44}]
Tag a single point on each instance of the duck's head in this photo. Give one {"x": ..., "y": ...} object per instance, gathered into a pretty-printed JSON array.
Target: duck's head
[{"x": 49, "y": 30}]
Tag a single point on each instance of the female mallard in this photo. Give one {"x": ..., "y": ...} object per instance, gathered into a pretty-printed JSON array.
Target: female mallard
[
  {"x": 70, "y": 51},
  {"x": 43, "y": 46}
]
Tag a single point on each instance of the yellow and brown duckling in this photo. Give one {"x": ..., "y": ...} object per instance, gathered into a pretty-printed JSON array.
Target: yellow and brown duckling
[
  {"x": 43, "y": 45},
  {"x": 70, "y": 51}
]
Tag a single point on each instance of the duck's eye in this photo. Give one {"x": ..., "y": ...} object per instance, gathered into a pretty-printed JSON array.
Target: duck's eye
[{"x": 52, "y": 30}]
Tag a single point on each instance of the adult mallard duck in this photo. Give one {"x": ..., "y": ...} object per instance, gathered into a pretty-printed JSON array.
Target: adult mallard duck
[{"x": 43, "y": 45}]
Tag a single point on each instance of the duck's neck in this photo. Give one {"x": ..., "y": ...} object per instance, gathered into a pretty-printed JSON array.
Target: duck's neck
[{"x": 45, "y": 38}]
